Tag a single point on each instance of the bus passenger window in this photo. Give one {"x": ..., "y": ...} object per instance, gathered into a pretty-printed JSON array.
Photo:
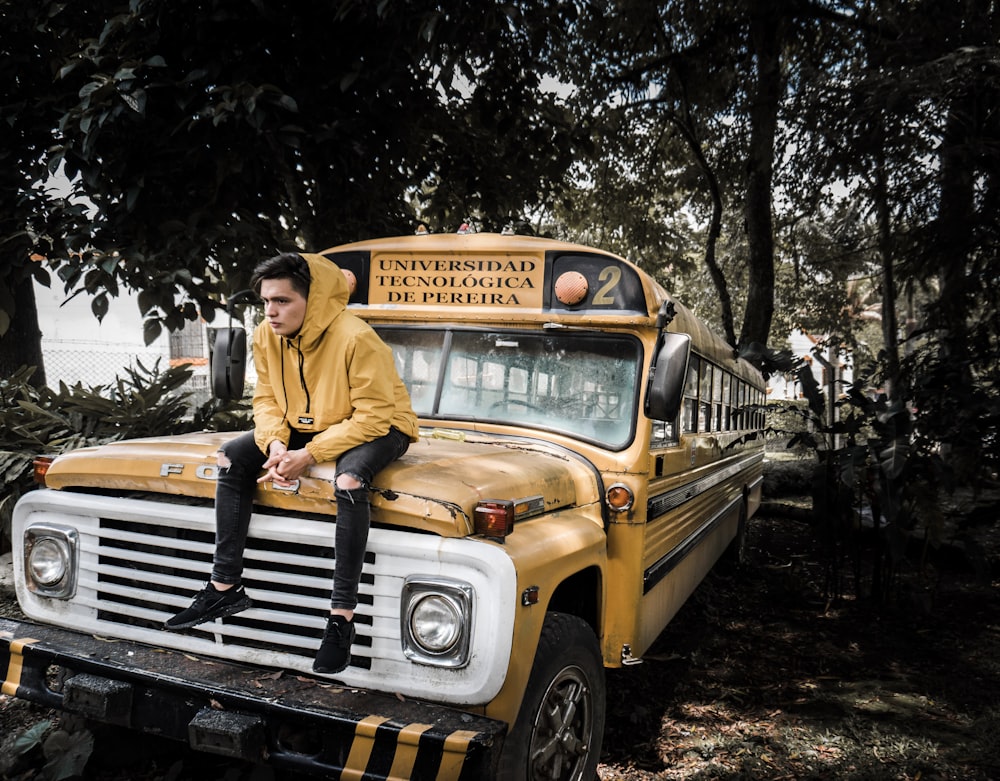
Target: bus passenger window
[
  {"x": 663, "y": 433},
  {"x": 690, "y": 411},
  {"x": 741, "y": 406},
  {"x": 717, "y": 398},
  {"x": 727, "y": 401},
  {"x": 705, "y": 396}
]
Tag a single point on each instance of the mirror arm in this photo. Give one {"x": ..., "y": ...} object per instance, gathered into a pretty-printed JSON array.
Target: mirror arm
[{"x": 666, "y": 315}]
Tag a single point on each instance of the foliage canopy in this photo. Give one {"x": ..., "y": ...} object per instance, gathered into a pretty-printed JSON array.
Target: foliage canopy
[{"x": 831, "y": 166}]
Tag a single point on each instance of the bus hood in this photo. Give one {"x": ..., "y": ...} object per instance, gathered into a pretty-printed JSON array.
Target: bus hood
[{"x": 434, "y": 487}]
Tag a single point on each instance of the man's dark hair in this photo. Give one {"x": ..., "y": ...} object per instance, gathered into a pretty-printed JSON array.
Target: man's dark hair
[{"x": 287, "y": 265}]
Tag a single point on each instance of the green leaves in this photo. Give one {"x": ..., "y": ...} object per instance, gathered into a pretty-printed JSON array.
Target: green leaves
[
  {"x": 197, "y": 140},
  {"x": 66, "y": 751},
  {"x": 145, "y": 401},
  {"x": 67, "y": 754},
  {"x": 892, "y": 459},
  {"x": 30, "y": 738}
]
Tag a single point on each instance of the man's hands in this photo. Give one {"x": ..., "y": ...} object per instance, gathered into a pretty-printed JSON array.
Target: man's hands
[{"x": 285, "y": 466}]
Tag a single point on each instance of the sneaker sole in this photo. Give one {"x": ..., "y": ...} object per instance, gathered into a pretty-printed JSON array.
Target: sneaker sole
[
  {"x": 331, "y": 670},
  {"x": 228, "y": 610}
]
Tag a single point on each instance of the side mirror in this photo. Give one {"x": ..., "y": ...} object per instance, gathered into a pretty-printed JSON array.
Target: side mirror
[
  {"x": 229, "y": 357},
  {"x": 665, "y": 390}
]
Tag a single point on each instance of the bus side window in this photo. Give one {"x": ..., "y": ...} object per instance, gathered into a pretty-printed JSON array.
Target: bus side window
[
  {"x": 741, "y": 400},
  {"x": 727, "y": 401},
  {"x": 664, "y": 432},
  {"x": 690, "y": 411},
  {"x": 717, "y": 398},
  {"x": 705, "y": 397}
]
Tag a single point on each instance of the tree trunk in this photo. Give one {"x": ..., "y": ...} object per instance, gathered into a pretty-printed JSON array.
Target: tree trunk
[
  {"x": 687, "y": 130},
  {"x": 22, "y": 344},
  {"x": 955, "y": 213},
  {"x": 890, "y": 328},
  {"x": 765, "y": 41}
]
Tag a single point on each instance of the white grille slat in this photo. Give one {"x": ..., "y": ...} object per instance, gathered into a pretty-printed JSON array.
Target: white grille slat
[
  {"x": 206, "y": 549},
  {"x": 152, "y": 578},
  {"x": 316, "y": 604},
  {"x": 193, "y": 586},
  {"x": 231, "y": 629},
  {"x": 140, "y": 557},
  {"x": 140, "y": 538}
]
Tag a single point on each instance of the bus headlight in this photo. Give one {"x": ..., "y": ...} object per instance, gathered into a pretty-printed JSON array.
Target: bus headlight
[
  {"x": 436, "y": 621},
  {"x": 50, "y": 557}
]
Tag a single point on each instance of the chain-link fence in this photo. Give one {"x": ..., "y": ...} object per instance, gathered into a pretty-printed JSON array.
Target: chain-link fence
[
  {"x": 94, "y": 363},
  {"x": 100, "y": 362}
]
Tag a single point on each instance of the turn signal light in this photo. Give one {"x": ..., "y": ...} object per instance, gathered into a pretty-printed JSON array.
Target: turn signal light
[
  {"x": 619, "y": 497},
  {"x": 494, "y": 518},
  {"x": 40, "y": 467}
]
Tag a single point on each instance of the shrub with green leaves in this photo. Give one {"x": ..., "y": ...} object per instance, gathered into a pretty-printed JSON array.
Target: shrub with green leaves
[{"x": 42, "y": 421}]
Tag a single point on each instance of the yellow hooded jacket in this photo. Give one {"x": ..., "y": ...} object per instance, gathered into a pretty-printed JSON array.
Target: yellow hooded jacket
[{"x": 335, "y": 376}]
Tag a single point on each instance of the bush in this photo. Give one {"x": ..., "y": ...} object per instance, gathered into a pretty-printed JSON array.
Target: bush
[{"x": 42, "y": 421}]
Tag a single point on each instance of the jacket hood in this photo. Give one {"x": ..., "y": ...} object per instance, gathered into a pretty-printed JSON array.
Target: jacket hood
[{"x": 328, "y": 296}]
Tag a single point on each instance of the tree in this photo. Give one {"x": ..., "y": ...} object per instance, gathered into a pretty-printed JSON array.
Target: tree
[
  {"x": 714, "y": 78},
  {"x": 206, "y": 135},
  {"x": 30, "y": 220},
  {"x": 906, "y": 122}
]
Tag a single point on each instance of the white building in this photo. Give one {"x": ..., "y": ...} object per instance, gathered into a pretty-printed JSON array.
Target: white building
[{"x": 827, "y": 364}]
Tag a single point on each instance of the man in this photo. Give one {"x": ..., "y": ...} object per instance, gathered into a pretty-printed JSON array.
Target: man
[{"x": 327, "y": 390}]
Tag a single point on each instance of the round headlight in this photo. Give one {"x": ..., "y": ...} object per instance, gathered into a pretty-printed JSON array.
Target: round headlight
[
  {"x": 48, "y": 561},
  {"x": 436, "y": 623}
]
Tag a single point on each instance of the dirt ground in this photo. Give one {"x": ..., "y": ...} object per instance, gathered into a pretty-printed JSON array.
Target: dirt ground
[{"x": 760, "y": 676}]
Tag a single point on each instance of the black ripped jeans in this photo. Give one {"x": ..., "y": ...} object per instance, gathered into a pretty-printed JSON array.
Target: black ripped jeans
[{"x": 234, "y": 492}]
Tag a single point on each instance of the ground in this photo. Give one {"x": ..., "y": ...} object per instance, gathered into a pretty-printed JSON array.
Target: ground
[{"x": 762, "y": 675}]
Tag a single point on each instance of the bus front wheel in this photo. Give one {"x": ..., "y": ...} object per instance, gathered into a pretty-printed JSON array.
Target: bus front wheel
[{"x": 558, "y": 732}]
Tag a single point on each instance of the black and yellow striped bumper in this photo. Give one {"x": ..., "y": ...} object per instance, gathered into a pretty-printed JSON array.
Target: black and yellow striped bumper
[{"x": 287, "y": 720}]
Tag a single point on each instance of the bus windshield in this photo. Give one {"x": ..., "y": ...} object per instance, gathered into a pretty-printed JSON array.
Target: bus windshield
[{"x": 582, "y": 385}]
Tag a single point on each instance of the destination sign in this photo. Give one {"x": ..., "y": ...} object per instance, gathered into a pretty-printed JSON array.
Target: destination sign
[{"x": 471, "y": 280}]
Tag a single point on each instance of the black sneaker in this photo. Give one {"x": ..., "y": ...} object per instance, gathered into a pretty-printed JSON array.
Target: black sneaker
[
  {"x": 334, "y": 652},
  {"x": 209, "y": 604}
]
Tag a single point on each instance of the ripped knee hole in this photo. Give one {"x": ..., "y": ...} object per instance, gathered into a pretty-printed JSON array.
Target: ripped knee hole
[{"x": 346, "y": 482}]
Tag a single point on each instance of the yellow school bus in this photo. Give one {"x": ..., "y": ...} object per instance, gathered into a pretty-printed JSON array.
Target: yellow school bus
[{"x": 588, "y": 451}]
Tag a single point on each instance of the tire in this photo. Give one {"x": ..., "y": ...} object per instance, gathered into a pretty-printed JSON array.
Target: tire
[{"x": 559, "y": 729}]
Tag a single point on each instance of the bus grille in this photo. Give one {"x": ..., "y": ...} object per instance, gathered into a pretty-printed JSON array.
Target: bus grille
[
  {"x": 143, "y": 567},
  {"x": 140, "y": 561}
]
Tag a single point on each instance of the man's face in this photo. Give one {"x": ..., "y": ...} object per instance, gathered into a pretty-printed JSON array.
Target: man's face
[{"x": 284, "y": 307}]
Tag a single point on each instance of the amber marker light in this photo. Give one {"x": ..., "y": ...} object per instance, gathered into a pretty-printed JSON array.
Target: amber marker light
[
  {"x": 40, "y": 467},
  {"x": 352, "y": 281},
  {"x": 494, "y": 518},
  {"x": 570, "y": 288},
  {"x": 619, "y": 497}
]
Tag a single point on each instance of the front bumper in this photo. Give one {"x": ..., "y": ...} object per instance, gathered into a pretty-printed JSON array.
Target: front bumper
[{"x": 289, "y": 721}]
